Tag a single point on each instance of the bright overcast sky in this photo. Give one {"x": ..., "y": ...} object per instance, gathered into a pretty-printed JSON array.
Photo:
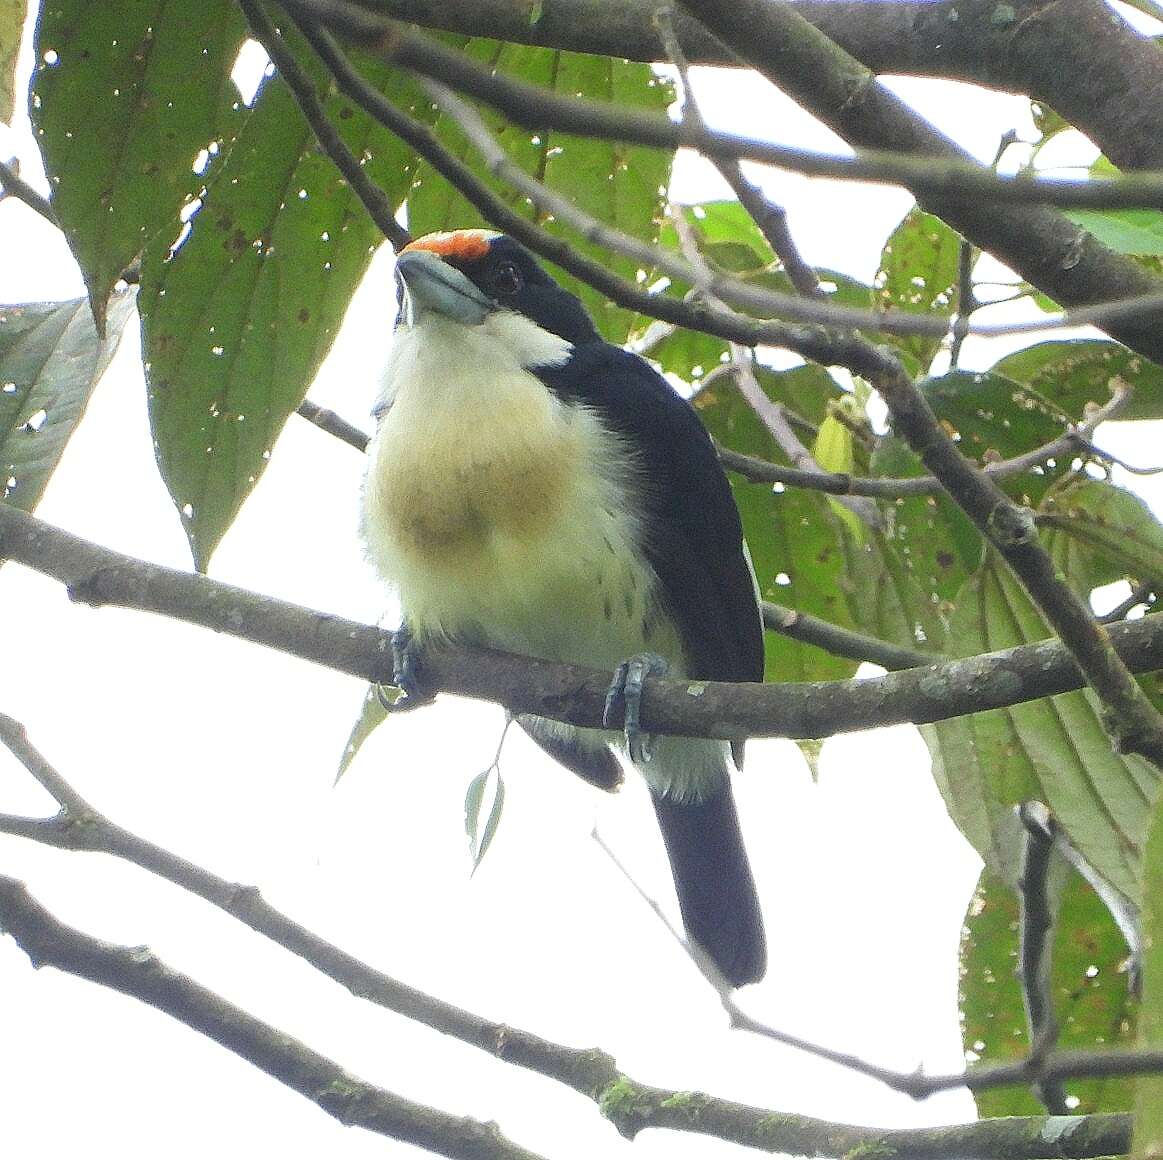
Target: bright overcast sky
[{"x": 225, "y": 753}]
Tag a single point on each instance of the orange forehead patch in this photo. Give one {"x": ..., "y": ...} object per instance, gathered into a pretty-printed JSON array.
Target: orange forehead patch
[{"x": 463, "y": 244}]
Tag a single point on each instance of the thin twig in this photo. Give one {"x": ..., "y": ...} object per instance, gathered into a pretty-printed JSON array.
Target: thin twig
[
  {"x": 771, "y": 219},
  {"x": 1075, "y": 440},
  {"x": 334, "y": 424},
  {"x": 13, "y": 185}
]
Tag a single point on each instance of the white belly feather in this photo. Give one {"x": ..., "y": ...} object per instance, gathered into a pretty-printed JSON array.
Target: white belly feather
[{"x": 505, "y": 517}]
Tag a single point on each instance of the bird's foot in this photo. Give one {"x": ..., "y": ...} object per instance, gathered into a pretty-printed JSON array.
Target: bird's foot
[
  {"x": 407, "y": 662},
  {"x": 626, "y": 688}
]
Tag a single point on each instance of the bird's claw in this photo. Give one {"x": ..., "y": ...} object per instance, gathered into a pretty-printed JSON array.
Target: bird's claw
[
  {"x": 407, "y": 657},
  {"x": 626, "y": 689}
]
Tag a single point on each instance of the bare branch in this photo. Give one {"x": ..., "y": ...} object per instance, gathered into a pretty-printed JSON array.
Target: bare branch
[
  {"x": 136, "y": 972},
  {"x": 333, "y": 424}
]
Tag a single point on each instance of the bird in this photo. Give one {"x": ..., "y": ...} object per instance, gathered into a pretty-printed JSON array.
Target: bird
[{"x": 533, "y": 488}]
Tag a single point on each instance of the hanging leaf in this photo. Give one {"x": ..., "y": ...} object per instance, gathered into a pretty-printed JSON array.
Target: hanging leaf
[
  {"x": 50, "y": 361},
  {"x": 126, "y": 96},
  {"x": 1099, "y": 533},
  {"x": 1126, "y": 231},
  {"x": 481, "y": 827},
  {"x": 239, "y": 315},
  {"x": 372, "y": 714}
]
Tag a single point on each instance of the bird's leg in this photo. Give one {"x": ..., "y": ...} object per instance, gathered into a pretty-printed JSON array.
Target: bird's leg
[
  {"x": 626, "y": 687},
  {"x": 407, "y": 658}
]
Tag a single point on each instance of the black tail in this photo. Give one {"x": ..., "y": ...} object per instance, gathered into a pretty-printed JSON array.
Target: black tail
[{"x": 716, "y": 892}]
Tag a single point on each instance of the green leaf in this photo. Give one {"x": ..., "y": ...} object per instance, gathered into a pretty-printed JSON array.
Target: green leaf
[
  {"x": 1054, "y": 750},
  {"x": 126, "y": 95},
  {"x": 621, "y": 185},
  {"x": 372, "y": 714},
  {"x": 936, "y": 542},
  {"x": 991, "y": 416},
  {"x": 1070, "y": 374},
  {"x": 480, "y": 836},
  {"x": 50, "y": 361},
  {"x": 1148, "y": 1138},
  {"x": 1089, "y": 985},
  {"x": 795, "y": 542},
  {"x": 238, "y": 317},
  {"x": 1126, "y": 231},
  {"x": 12, "y": 14},
  {"x": 1099, "y": 533},
  {"x": 918, "y": 274}
]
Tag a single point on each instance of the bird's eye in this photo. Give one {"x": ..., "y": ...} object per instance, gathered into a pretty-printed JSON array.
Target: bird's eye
[{"x": 508, "y": 279}]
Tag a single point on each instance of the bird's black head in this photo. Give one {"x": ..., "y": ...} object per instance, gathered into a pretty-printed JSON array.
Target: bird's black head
[{"x": 507, "y": 274}]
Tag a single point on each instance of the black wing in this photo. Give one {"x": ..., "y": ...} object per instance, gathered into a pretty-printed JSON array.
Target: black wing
[{"x": 694, "y": 540}]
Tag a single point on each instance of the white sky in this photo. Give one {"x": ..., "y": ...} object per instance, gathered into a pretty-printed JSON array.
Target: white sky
[{"x": 225, "y": 753}]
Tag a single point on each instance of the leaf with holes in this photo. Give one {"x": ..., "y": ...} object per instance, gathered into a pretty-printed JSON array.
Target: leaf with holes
[
  {"x": 621, "y": 185},
  {"x": 1099, "y": 533},
  {"x": 1054, "y": 750},
  {"x": 1090, "y": 987},
  {"x": 918, "y": 274},
  {"x": 1070, "y": 374},
  {"x": 50, "y": 361},
  {"x": 125, "y": 99},
  {"x": 479, "y": 826},
  {"x": 238, "y": 317},
  {"x": 934, "y": 539}
]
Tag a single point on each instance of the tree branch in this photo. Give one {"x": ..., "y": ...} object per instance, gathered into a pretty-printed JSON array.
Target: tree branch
[
  {"x": 1078, "y": 56},
  {"x": 136, "y": 972},
  {"x": 97, "y": 576},
  {"x": 1045, "y": 247},
  {"x": 1075, "y": 440},
  {"x": 630, "y": 1105}
]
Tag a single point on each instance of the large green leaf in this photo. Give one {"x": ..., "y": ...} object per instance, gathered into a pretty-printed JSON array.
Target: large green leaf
[
  {"x": 918, "y": 274},
  {"x": 1070, "y": 374},
  {"x": 50, "y": 360},
  {"x": 238, "y": 317},
  {"x": 1090, "y": 990},
  {"x": 621, "y": 185},
  {"x": 1054, "y": 750},
  {"x": 127, "y": 94}
]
